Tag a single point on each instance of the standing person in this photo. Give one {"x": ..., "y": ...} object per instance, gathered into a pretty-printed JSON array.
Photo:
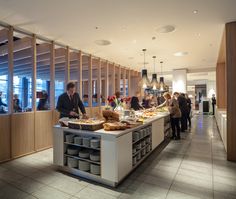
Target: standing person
[
  {"x": 43, "y": 102},
  {"x": 175, "y": 114},
  {"x": 135, "y": 102},
  {"x": 189, "y": 103},
  {"x": 2, "y": 104},
  {"x": 184, "y": 110},
  {"x": 69, "y": 102},
  {"x": 213, "y": 102},
  {"x": 146, "y": 101},
  {"x": 16, "y": 103}
]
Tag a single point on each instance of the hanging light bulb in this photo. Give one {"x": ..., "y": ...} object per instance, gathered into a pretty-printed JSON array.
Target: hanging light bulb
[
  {"x": 163, "y": 86},
  {"x": 144, "y": 82},
  {"x": 154, "y": 82}
]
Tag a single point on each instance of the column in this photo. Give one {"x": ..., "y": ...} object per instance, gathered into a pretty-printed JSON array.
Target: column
[
  {"x": 179, "y": 81},
  {"x": 231, "y": 89}
]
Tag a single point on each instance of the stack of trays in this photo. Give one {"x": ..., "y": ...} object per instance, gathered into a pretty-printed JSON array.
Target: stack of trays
[
  {"x": 84, "y": 166},
  {"x": 94, "y": 143},
  {"x": 95, "y": 156}
]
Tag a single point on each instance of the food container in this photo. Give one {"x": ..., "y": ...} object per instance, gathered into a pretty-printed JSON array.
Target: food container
[
  {"x": 148, "y": 140},
  {"x": 95, "y": 156},
  {"x": 143, "y": 143},
  {"x": 95, "y": 143},
  {"x": 138, "y": 146},
  {"x": 70, "y": 138},
  {"x": 86, "y": 126},
  {"x": 84, "y": 166},
  {"x": 134, "y": 160},
  {"x": 95, "y": 169},
  {"x": 84, "y": 154},
  {"x": 143, "y": 152},
  {"x": 138, "y": 156},
  {"x": 72, "y": 151},
  {"x": 136, "y": 136},
  {"x": 78, "y": 140},
  {"x": 72, "y": 163},
  {"x": 86, "y": 141},
  {"x": 141, "y": 132}
]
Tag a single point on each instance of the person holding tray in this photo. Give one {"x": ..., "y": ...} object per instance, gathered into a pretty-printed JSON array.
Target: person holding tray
[{"x": 69, "y": 102}]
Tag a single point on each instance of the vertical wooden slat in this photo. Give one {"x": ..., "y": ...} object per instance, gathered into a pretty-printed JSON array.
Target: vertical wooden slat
[
  {"x": 67, "y": 70},
  {"x": 124, "y": 82},
  {"x": 52, "y": 75},
  {"x": 10, "y": 69},
  {"x": 34, "y": 64},
  {"x": 129, "y": 82},
  {"x": 113, "y": 78},
  {"x": 99, "y": 82},
  {"x": 90, "y": 79},
  {"x": 118, "y": 78},
  {"x": 106, "y": 80},
  {"x": 80, "y": 72}
]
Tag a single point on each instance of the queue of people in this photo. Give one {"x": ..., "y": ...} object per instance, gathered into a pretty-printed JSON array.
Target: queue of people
[{"x": 179, "y": 106}]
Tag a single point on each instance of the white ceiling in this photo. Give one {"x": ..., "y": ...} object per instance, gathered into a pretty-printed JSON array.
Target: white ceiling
[{"x": 130, "y": 26}]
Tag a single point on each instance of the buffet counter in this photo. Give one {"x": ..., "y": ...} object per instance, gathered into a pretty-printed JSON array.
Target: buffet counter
[{"x": 107, "y": 156}]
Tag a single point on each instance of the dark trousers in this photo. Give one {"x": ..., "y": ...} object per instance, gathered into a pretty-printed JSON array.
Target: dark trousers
[
  {"x": 183, "y": 121},
  {"x": 213, "y": 109},
  {"x": 175, "y": 127},
  {"x": 189, "y": 119}
]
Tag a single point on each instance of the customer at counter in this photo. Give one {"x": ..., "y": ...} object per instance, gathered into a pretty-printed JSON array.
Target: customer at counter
[
  {"x": 183, "y": 105},
  {"x": 69, "y": 102},
  {"x": 146, "y": 101},
  {"x": 135, "y": 102},
  {"x": 175, "y": 114}
]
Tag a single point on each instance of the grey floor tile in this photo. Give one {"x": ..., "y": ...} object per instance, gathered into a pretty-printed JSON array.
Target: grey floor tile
[
  {"x": 89, "y": 193},
  {"x": 196, "y": 168},
  {"x": 193, "y": 190},
  {"x": 28, "y": 185},
  {"x": 221, "y": 195},
  {"x": 10, "y": 192},
  {"x": 178, "y": 195},
  {"x": 225, "y": 188},
  {"x": 194, "y": 174},
  {"x": 116, "y": 192},
  {"x": 49, "y": 193},
  {"x": 10, "y": 176}
]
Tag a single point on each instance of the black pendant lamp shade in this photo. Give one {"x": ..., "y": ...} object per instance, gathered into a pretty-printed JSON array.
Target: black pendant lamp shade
[
  {"x": 144, "y": 82},
  {"x": 154, "y": 82},
  {"x": 163, "y": 86}
]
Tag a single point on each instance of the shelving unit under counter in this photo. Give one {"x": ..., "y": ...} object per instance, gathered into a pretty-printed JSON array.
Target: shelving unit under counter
[{"x": 116, "y": 155}]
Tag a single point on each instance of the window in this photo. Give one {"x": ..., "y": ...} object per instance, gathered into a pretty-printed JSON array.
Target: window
[
  {"x": 43, "y": 76},
  {"x": 59, "y": 72},
  {"x": 22, "y": 73},
  {"x": 4, "y": 72}
]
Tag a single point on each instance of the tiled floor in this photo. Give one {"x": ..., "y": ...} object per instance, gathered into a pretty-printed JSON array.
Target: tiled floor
[{"x": 194, "y": 167}]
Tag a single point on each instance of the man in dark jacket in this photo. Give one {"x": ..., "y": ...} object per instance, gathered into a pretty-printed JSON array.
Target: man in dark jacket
[
  {"x": 69, "y": 102},
  {"x": 183, "y": 105}
]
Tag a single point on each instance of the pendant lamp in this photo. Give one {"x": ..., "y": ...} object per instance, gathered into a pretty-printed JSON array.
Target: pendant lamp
[
  {"x": 144, "y": 82},
  {"x": 163, "y": 86},
  {"x": 154, "y": 82}
]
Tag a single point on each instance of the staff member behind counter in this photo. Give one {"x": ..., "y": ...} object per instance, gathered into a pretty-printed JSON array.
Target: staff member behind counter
[{"x": 69, "y": 102}]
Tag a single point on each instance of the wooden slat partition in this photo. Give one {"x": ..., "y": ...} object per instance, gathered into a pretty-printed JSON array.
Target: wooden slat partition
[
  {"x": 5, "y": 138},
  {"x": 22, "y": 134},
  {"x": 90, "y": 89},
  {"x": 99, "y": 82},
  {"x": 106, "y": 80},
  {"x": 43, "y": 129},
  {"x": 56, "y": 116}
]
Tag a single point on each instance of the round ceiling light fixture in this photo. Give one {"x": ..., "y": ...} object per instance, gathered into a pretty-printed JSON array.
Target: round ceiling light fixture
[
  {"x": 195, "y": 12},
  {"x": 180, "y": 54},
  {"x": 166, "y": 29},
  {"x": 102, "y": 42}
]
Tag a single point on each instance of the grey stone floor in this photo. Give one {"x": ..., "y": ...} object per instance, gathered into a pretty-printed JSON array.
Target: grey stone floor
[{"x": 194, "y": 167}]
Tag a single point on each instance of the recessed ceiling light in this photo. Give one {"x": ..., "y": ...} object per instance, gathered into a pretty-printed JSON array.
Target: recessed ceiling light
[
  {"x": 180, "y": 54},
  {"x": 195, "y": 11},
  {"x": 153, "y": 38},
  {"x": 96, "y": 27},
  {"x": 102, "y": 42},
  {"x": 166, "y": 29}
]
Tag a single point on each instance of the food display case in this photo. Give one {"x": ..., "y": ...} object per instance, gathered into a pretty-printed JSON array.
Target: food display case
[{"x": 107, "y": 156}]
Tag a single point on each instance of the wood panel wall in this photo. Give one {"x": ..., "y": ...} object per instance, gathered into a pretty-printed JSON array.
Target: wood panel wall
[
  {"x": 5, "y": 139},
  {"x": 231, "y": 89},
  {"x": 221, "y": 86},
  {"x": 22, "y": 134},
  {"x": 43, "y": 129}
]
